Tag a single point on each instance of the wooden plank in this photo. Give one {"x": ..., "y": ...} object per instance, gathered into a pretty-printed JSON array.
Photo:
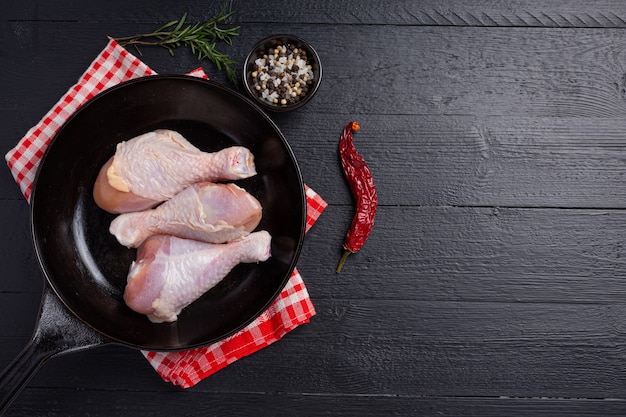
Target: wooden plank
[
  {"x": 20, "y": 311},
  {"x": 489, "y": 13},
  {"x": 540, "y": 119},
  {"x": 539, "y": 309},
  {"x": 495, "y": 268},
  {"x": 426, "y": 253},
  {"x": 445, "y": 349},
  {"x": 453, "y": 254},
  {"x": 465, "y": 161},
  {"x": 439, "y": 161},
  {"x": 61, "y": 52},
  {"x": 405, "y": 348},
  {"x": 20, "y": 267},
  {"x": 472, "y": 72},
  {"x": 35, "y": 402},
  {"x": 497, "y": 255},
  {"x": 475, "y": 72}
]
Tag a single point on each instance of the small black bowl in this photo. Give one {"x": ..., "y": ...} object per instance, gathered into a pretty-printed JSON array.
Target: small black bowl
[{"x": 272, "y": 42}]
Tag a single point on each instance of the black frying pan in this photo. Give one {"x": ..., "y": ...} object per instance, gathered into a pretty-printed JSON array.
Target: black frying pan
[{"x": 86, "y": 268}]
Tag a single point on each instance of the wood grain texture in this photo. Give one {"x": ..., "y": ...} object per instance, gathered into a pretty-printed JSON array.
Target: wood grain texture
[
  {"x": 500, "y": 255},
  {"x": 493, "y": 283},
  {"x": 482, "y": 13},
  {"x": 431, "y": 253},
  {"x": 280, "y": 404},
  {"x": 532, "y": 119},
  {"x": 460, "y": 313},
  {"x": 477, "y": 72},
  {"x": 454, "y": 349}
]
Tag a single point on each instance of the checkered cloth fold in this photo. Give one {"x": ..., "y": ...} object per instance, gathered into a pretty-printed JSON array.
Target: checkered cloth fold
[{"x": 293, "y": 306}]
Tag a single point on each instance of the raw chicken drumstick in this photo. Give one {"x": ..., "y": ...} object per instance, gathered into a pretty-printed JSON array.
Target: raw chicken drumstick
[
  {"x": 170, "y": 273},
  {"x": 155, "y": 166},
  {"x": 205, "y": 211}
]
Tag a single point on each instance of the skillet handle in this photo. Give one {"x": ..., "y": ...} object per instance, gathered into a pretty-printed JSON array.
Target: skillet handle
[{"x": 57, "y": 332}]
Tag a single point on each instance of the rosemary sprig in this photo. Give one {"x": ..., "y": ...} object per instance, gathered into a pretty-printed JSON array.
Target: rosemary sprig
[{"x": 202, "y": 38}]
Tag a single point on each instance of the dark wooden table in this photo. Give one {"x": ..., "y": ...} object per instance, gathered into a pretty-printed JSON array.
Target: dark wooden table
[{"x": 494, "y": 281}]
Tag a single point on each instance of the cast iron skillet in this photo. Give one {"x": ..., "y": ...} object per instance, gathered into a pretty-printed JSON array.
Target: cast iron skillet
[{"x": 85, "y": 267}]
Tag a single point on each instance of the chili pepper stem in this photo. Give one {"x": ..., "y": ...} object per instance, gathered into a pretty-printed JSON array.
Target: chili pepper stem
[{"x": 343, "y": 260}]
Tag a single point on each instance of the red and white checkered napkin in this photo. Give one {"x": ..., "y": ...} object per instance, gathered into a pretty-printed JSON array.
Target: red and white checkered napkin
[{"x": 293, "y": 306}]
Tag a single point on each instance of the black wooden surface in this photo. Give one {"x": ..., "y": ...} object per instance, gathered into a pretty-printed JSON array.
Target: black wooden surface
[{"x": 493, "y": 283}]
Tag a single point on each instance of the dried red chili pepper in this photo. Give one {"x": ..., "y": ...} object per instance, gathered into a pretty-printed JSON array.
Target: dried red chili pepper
[{"x": 363, "y": 189}]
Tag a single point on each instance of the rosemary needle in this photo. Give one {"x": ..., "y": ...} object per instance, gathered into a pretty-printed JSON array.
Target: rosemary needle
[{"x": 202, "y": 38}]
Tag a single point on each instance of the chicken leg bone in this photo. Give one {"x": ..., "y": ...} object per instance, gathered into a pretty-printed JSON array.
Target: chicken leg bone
[
  {"x": 170, "y": 273},
  {"x": 155, "y": 166},
  {"x": 207, "y": 212}
]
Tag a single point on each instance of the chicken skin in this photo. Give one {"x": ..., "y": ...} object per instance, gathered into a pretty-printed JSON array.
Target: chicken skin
[
  {"x": 153, "y": 167},
  {"x": 207, "y": 212},
  {"x": 170, "y": 273}
]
